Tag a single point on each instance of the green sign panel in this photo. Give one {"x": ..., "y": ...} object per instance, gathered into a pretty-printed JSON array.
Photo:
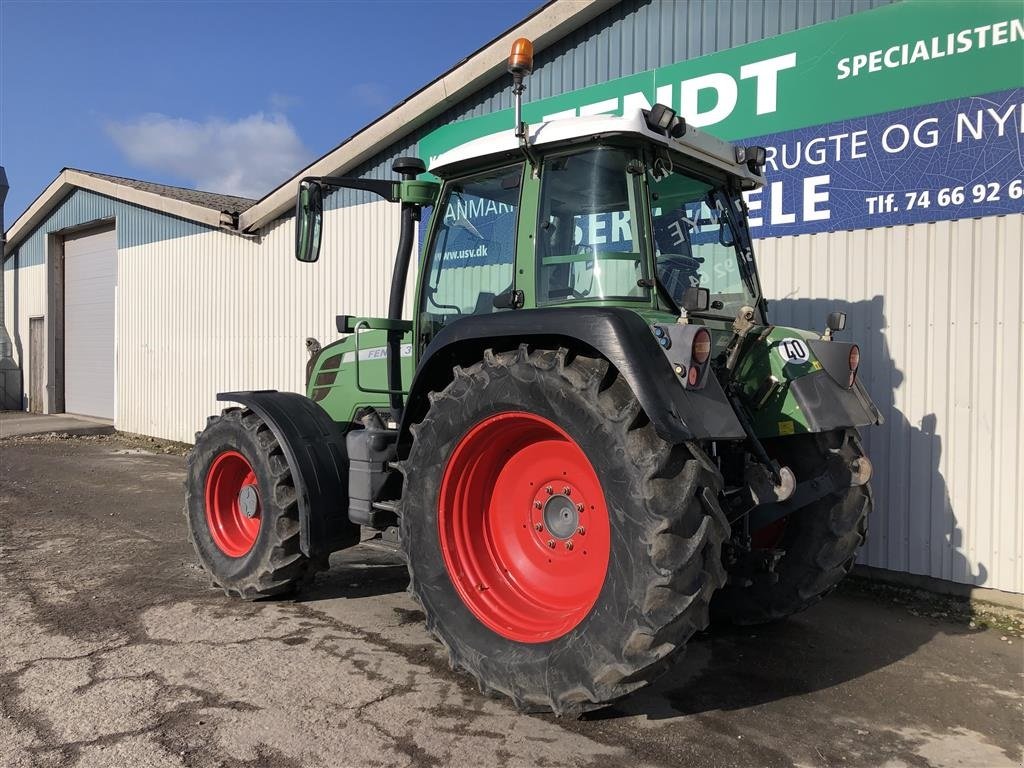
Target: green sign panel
[{"x": 911, "y": 53}]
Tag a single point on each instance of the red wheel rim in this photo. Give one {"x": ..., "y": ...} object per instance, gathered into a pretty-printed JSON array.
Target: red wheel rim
[
  {"x": 233, "y": 507},
  {"x": 524, "y": 527}
]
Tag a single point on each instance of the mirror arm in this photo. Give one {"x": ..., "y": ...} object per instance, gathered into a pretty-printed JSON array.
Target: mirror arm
[{"x": 389, "y": 190}]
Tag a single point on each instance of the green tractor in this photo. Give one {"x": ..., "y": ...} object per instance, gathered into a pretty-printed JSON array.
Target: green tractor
[{"x": 588, "y": 441}]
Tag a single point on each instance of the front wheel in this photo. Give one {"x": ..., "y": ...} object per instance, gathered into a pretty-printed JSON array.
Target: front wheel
[
  {"x": 820, "y": 540},
  {"x": 241, "y": 508},
  {"x": 561, "y": 551}
]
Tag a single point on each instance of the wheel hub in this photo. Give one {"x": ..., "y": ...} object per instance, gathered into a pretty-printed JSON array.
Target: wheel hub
[
  {"x": 561, "y": 517},
  {"x": 249, "y": 501}
]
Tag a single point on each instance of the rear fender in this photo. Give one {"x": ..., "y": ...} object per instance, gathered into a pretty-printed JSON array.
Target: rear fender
[
  {"x": 792, "y": 382},
  {"x": 314, "y": 447},
  {"x": 619, "y": 335}
]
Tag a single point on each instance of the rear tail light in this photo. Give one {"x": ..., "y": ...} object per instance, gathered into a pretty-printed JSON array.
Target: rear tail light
[
  {"x": 701, "y": 349},
  {"x": 854, "y": 363},
  {"x": 700, "y": 353}
]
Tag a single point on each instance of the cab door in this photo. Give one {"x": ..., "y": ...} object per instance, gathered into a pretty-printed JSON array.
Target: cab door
[{"x": 469, "y": 265}]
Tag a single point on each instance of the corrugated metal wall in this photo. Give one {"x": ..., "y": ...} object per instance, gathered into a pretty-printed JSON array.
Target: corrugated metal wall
[
  {"x": 950, "y": 491},
  {"x": 24, "y": 297},
  {"x": 215, "y": 312},
  {"x": 935, "y": 308},
  {"x": 135, "y": 225}
]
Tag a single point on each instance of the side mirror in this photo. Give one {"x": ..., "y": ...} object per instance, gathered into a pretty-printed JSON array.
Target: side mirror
[
  {"x": 309, "y": 214},
  {"x": 696, "y": 299}
]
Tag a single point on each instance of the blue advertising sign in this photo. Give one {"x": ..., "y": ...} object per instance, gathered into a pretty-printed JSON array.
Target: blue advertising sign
[{"x": 956, "y": 159}]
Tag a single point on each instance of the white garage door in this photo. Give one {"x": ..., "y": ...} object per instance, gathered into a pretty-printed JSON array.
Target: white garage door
[{"x": 90, "y": 279}]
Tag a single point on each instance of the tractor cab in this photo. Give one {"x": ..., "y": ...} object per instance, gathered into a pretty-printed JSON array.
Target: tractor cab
[{"x": 636, "y": 211}]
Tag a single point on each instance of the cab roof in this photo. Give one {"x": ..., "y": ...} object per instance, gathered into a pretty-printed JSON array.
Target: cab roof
[{"x": 695, "y": 143}]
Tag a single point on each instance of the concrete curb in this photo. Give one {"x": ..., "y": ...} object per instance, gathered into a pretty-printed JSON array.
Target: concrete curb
[{"x": 941, "y": 586}]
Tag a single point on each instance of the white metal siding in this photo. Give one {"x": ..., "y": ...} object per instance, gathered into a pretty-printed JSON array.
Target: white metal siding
[
  {"x": 24, "y": 297},
  {"x": 936, "y": 310},
  {"x": 214, "y": 312},
  {"x": 90, "y": 280}
]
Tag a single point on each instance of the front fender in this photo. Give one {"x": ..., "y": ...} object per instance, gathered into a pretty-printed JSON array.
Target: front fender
[
  {"x": 314, "y": 447},
  {"x": 619, "y": 335}
]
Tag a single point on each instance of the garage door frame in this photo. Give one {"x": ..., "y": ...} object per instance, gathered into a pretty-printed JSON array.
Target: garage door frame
[{"x": 55, "y": 379}]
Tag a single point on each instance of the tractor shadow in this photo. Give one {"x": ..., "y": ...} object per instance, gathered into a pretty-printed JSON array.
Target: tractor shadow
[
  {"x": 365, "y": 570},
  {"x": 855, "y": 631},
  {"x": 845, "y": 637}
]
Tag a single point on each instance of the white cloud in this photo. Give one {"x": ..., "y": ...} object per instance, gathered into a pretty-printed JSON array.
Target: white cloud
[{"x": 247, "y": 157}]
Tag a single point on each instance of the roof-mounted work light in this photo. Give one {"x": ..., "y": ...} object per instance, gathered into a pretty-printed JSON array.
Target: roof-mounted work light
[
  {"x": 754, "y": 157},
  {"x": 660, "y": 117},
  {"x": 664, "y": 120}
]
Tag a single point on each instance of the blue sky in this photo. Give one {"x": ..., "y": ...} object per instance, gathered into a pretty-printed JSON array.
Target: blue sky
[{"x": 227, "y": 96}]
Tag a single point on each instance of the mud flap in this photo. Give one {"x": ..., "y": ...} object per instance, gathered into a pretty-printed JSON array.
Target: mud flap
[{"x": 314, "y": 447}]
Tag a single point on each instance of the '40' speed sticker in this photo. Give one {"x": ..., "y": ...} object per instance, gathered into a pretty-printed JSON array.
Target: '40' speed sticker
[{"x": 793, "y": 351}]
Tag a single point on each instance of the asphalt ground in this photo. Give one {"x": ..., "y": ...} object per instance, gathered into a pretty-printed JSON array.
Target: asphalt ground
[{"x": 114, "y": 651}]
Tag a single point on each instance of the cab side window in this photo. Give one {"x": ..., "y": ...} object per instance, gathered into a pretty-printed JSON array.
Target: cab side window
[{"x": 471, "y": 257}]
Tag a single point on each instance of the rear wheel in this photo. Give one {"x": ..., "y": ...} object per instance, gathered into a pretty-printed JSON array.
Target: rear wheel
[
  {"x": 561, "y": 551},
  {"x": 820, "y": 541},
  {"x": 241, "y": 508}
]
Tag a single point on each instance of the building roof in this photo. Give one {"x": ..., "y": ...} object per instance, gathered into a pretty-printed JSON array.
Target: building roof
[
  {"x": 212, "y": 200},
  {"x": 544, "y": 27},
  {"x": 209, "y": 208}
]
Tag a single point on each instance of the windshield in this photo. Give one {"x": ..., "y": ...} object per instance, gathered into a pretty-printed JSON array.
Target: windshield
[
  {"x": 588, "y": 246},
  {"x": 700, "y": 241}
]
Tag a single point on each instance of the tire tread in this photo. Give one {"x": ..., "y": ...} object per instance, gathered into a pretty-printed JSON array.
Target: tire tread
[{"x": 683, "y": 539}]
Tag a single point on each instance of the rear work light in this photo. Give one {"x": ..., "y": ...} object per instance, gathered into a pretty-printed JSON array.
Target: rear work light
[{"x": 854, "y": 363}]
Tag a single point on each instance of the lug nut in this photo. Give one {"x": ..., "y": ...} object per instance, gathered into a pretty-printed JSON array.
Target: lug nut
[
  {"x": 567, "y": 491},
  {"x": 549, "y": 490},
  {"x": 551, "y": 543},
  {"x": 581, "y": 530},
  {"x": 579, "y": 507},
  {"x": 537, "y": 505},
  {"x": 568, "y": 545},
  {"x": 538, "y": 527}
]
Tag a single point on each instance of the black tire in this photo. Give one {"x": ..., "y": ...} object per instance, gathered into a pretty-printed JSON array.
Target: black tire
[
  {"x": 274, "y": 565},
  {"x": 666, "y": 533},
  {"x": 820, "y": 541}
]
